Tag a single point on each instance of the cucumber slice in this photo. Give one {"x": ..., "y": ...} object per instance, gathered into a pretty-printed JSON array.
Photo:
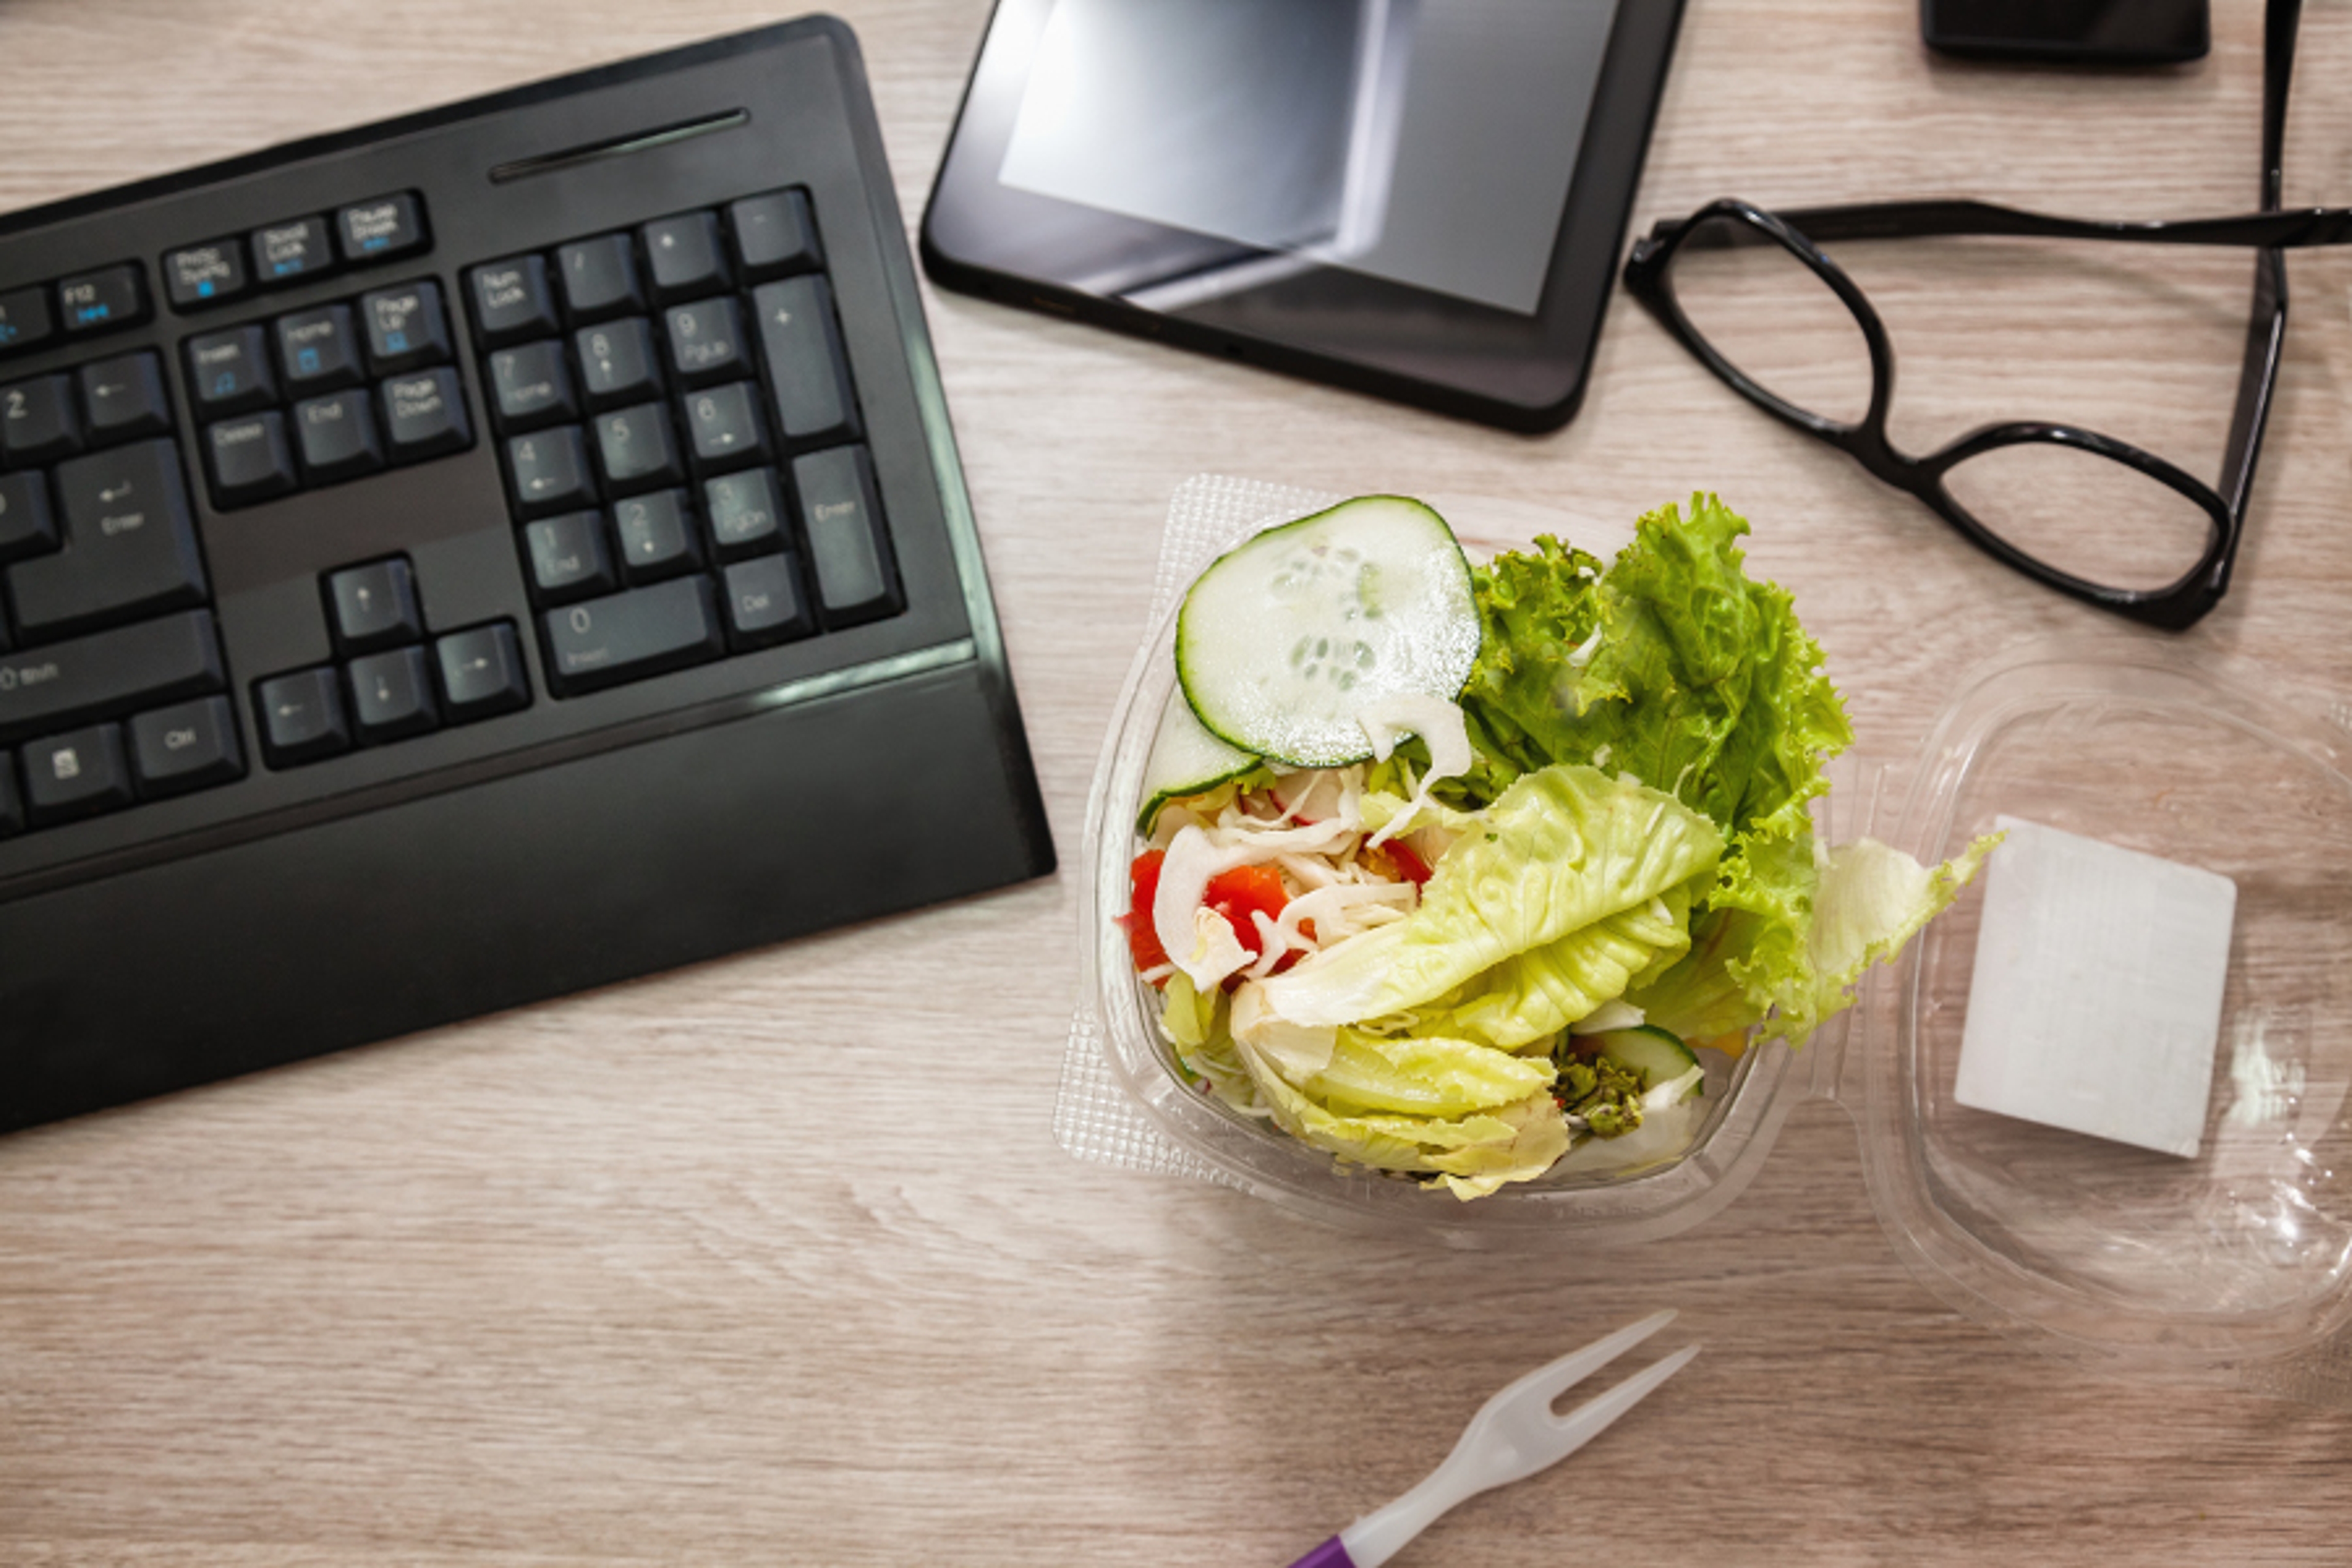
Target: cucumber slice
[
  {"x": 1185, "y": 760},
  {"x": 1658, "y": 1056},
  {"x": 1283, "y": 641}
]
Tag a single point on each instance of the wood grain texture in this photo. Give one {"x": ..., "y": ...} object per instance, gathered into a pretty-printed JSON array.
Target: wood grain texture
[{"x": 776, "y": 1259}]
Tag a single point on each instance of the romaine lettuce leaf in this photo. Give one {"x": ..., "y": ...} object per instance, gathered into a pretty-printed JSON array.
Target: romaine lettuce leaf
[
  {"x": 1540, "y": 992},
  {"x": 1423, "y": 1075},
  {"x": 1561, "y": 850},
  {"x": 1873, "y": 899},
  {"x": 1797, "y": 966},
  {"x": 1475, "y": 1152}
]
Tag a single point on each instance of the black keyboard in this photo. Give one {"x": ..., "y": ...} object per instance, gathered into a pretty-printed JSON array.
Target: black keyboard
[{"x": 454, "y": 563}]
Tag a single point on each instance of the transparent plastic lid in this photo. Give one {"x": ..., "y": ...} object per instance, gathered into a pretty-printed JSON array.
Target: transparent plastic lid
[
  {"x": 2236, "y": 1258},
  {"x": 2218, "y": 1247}
]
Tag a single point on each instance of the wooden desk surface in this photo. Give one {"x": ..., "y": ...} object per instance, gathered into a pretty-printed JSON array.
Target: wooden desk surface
[{"x": 684, "y": 1272}]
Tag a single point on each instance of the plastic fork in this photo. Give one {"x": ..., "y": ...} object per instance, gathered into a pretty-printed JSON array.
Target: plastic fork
[{"x": 1513, "y": 1435}]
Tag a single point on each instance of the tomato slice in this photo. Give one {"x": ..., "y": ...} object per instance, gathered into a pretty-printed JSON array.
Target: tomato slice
[
  {"x": 1242, "y": 892},
  {"x": 1143, "y": 941},
  {"x": 1409, "y": 865},
  {"x": 1236, "y": 894}
]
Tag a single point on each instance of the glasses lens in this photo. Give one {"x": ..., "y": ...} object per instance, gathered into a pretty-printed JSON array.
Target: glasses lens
[
  {"x": 1773, "y": 318},
  {"x": 2097, "y": 518}
]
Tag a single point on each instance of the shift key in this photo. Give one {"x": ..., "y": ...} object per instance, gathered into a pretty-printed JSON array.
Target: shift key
[
  {"x": 130, "y": 544},
  {"x": 108, "y": 674}
]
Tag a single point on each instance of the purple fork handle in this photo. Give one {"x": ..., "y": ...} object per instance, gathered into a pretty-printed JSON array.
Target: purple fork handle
[{"x": 1330, "y": 1554}]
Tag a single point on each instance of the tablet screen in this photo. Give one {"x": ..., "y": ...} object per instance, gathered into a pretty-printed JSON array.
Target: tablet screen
[
  {"x": 1426, "y": 199},
  {"x": 1430, "y": 142}
]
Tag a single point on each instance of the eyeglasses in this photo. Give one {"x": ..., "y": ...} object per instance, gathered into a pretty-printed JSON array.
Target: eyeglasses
[{"x": 2009, "y": 489}]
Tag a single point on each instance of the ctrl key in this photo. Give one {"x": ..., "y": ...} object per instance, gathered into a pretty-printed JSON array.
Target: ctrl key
[
  {"x": 188, "y": 746},
  {"x": 302, "y": 717},
  {"x": 76, "y": 775}
]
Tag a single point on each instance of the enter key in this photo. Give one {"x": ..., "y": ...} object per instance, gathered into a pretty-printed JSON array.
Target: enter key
[{"x": 129, "y": 545}]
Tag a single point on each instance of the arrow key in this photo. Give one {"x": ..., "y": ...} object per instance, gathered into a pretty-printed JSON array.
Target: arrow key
[
  {"x": 392, "y": 694},
  {"x": 374, "y": 606},
  {"x": 482, "y": 672},
  {"x": 301, "y": 717}
]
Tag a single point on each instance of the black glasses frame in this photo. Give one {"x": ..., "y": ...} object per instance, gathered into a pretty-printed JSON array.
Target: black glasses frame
[{"x": 2175, "y": 607}]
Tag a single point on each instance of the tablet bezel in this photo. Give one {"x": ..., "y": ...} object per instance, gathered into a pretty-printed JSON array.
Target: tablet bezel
[{"x": 1414, "y": 345}]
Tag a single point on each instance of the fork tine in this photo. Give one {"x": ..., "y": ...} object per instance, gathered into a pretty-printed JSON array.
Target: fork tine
[
  {"x": 1588, "y": 1420},
  {"x": 1549, "y": 1381}
]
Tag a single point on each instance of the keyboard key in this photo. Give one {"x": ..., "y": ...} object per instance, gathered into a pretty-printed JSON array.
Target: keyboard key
[
  {"x": 102, "y": 300},
  {"x": 807, "y": 375},
  {"x": 745, "y": 514},
  {"x": 406, "y": 328},
  {"x": 110, "y": 673},
  {"x": 130, "y": 544},
  {"x": 657, "y": 537},
  {"x": 599, "y": 279},
  {"x": 706, "y": 343},
  {"x": 375, "y": 605},
  {"x": 24, "y": 319},
  {"x": 38, "y": 422},
  {"x": 632, "y": 634},
  {"x": 301, "y": 717},
  {"x": 725, "y": 429},
  {"x": 617, "y": 363},
  {"x": 249, "y": 460},
  {"x": 392, "y": 694},
  {"x": 530, "y": 386},
  {"x": 12, "y": 803},
  {"x": 205, "y": 275},
  {"x": 636, "y": 448},
  {"x": 764, "y": 603},
  {"x": 316, "y": 350},
  {"x": 27, "y": 527},
  {"x": 684, "y": 255},
  {"x": 549, "y": 471},
  {"x": 336, "y": 436},
  {"x": 76, "y": 775},
  {"x": 512, "y": 300},
  {"x": 288, "y": 252},
  {"x": 482, "y": 672},
  {"x": 568, "y": 558},
  {"x": 382, "y": 228},
  {"x": 190, "y": 746},
  {"x": 776, "y": 234},
  {"x": 124, "y": 397},
  {"x": 229, "y": 372},
  {"x": 847, "y": 546},
  {"x": 424, "y": 415}
]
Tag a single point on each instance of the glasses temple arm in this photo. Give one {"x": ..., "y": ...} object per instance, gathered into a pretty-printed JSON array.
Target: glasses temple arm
[
  {"x": 2304, "y": 227},
  {"x": 2280, "y": 20}
]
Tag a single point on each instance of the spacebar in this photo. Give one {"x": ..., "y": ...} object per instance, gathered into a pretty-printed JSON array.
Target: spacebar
[{"x": 108, "y": 674}]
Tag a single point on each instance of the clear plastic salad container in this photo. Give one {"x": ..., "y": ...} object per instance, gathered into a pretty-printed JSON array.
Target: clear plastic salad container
[{"x": 2232, "y": 1264}]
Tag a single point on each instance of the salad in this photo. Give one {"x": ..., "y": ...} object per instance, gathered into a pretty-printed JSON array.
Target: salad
[{"x": 1454, "y": 872}]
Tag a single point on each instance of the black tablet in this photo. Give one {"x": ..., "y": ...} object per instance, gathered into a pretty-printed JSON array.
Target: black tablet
[{"x": 1423, "y": 199}]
